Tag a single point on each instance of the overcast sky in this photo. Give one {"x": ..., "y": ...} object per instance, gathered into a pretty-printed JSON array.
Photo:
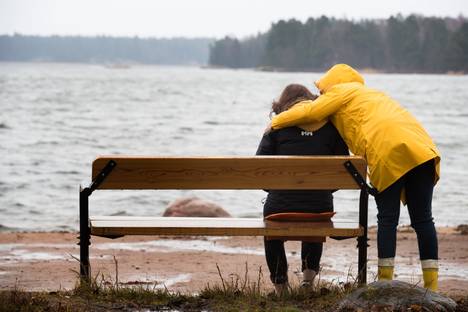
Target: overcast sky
[{"x": 194, "y": 18}]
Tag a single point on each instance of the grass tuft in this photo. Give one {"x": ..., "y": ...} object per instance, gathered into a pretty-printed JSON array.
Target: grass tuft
[{"x": 233, "y": 293}]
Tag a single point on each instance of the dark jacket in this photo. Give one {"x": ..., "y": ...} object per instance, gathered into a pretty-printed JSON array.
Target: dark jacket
[{"x": 296, "y": 141}]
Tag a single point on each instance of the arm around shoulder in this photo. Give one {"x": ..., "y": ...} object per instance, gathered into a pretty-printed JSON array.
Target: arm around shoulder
[{"x": 309, "y": 111}]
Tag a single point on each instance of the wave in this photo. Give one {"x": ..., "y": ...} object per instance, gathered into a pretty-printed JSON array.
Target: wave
[
  {"x": 34, "y": 212},
  {"x": 213, "y": 123},
  {"x": 4, "y": 228},
  {"x": 67, "y": 172},
  {"x": 119, "y": 213},
  {"x": 189, "y": 129}
]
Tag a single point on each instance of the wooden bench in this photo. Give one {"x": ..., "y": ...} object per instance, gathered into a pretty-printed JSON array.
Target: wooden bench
[{"x": 259, "y": 172}]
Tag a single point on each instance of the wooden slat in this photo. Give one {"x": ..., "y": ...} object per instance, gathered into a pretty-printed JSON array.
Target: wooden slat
[
  {"x": 115, "y": 226},
  {"x": 265, "y": 172}
]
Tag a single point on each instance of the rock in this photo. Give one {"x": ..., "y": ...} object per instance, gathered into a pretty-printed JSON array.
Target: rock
[
  {"x": 395, "y": 296},
  {"x": 463, "y": 229},
  {"x": 194, "y": 207}
]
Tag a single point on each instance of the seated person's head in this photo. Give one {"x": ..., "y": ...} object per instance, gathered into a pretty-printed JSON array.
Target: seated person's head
[{"x": 291, "y": 95}]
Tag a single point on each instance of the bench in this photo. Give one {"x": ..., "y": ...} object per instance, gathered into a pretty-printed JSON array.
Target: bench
[{"x": 259, "y": 172}]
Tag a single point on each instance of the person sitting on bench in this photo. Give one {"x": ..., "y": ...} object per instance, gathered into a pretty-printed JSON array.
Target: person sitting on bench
[{"x": 309, "y": 139}]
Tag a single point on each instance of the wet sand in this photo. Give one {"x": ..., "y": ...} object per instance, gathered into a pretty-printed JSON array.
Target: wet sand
[{"x": 48, "y": 261}]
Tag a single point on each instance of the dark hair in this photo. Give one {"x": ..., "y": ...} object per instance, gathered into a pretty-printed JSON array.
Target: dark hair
[{"x": 291, "y": 95}]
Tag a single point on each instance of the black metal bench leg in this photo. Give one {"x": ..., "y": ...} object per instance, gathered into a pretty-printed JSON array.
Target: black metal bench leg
[
  {"x": 85, "y": 232},
  {"x": 362, "y": 261},
  {"x": 362, "y": 240},
  {"x": 85, "y": 236}
]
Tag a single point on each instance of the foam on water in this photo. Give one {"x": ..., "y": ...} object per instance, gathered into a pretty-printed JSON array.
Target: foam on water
[
  {"x": 407, "y": 268},
  {"x": 27, "y": 255},
  {"x": 56, "y": 118},
  {"x": 173, "y": 245},
  {"x": 15, "y": 253},
  {"x": 160, "y": 282}
]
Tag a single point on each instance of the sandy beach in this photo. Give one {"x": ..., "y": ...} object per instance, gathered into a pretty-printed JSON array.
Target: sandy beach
[{"x": 47, "y": 261}]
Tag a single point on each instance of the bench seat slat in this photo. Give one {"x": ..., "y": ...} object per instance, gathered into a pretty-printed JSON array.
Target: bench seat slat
[{"x": 115, "y": 226}]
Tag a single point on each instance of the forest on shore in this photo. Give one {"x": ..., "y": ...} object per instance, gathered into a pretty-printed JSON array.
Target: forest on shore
[
  {"x": 104, "y": 49},
  {"x": 397, "y": 44},
  {"x": 401, "y": 44}
]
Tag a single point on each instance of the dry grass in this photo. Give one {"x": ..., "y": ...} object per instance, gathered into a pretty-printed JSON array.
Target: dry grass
[{"x": 232, "y": 293}]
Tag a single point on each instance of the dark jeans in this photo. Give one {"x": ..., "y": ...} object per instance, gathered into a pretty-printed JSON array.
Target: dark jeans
[
  {"x": 418, "y": 184},
  {"x": 278, "y": 264}
]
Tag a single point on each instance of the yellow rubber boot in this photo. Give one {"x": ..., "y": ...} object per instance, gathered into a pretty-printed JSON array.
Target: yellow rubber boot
[
  {"x": 430, "y": 269},
  {"x": 385, "y": 269},
  {"x": 385, "y": 273}
]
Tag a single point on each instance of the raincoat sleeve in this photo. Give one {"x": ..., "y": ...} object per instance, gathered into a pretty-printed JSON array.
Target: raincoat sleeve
[{"x": 310, "y": 111}]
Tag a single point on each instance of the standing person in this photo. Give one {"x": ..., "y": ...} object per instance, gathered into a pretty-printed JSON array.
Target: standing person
[
  {"x": 403, "y": 160},
  {"x": 309, "y": 139}
]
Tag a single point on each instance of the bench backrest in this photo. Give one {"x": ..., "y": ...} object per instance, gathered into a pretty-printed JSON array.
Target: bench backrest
[{"x": 256, "y": 172}]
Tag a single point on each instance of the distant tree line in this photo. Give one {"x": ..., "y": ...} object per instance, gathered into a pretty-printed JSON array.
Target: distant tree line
[
  {"x": 397, "y": 44},
  {"x": 104, "y": 49}
]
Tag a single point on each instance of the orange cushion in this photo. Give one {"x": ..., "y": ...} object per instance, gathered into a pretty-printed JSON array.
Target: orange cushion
[{"x": 301, "y": 216}]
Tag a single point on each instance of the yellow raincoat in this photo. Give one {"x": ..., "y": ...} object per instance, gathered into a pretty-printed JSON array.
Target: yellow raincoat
[{"x": 372, "y": 124}]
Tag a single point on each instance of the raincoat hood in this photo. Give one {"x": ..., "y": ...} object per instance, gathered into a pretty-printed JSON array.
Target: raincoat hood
[{"x": 340, "y": 73}]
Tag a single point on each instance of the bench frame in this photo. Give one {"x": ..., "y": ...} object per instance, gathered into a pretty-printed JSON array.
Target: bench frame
[{"x": 85, "y": 226}]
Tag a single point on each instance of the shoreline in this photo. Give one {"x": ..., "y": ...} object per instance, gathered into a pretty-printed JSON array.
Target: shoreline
[
  {"x": 38, "y": 261},
  {"x": 366, "y": 70},
  {"x": 267, "y": 69}
]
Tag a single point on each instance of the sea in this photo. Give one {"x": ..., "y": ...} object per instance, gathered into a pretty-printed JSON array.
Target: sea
[{"x": 55, "y": 119}]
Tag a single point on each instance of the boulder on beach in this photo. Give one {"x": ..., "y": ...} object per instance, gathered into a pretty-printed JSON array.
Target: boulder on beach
[
  {"x": 395, "y": 296},
  {"x": 194, "y": 207},
  {"x": 462, "y": 229}
]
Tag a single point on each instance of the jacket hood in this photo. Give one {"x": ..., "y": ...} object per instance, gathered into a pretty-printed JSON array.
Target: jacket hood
[{"x": 339, "y": 73}]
